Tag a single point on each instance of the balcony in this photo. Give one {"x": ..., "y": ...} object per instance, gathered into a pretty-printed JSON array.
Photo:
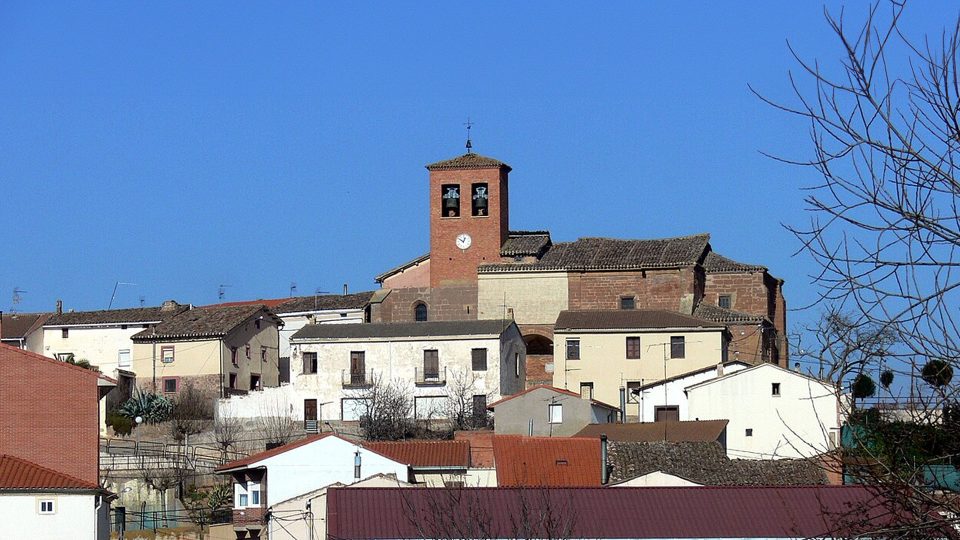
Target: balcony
[
  {"x": 360, "y": 379},
  {"x": 430, "y": 378}
]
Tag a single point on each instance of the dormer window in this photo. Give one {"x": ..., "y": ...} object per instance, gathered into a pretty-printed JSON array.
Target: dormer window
[
  {"x": 450, "y": 200},
  {"x": 480, "y": 198}
]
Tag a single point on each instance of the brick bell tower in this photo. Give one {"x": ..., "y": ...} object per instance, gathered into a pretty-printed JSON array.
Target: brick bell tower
[{"x": 469, "y": 216}]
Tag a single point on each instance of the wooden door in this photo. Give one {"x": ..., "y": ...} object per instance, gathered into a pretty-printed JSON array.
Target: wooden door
[
  {"x": 667, "y": 413},
  {"x": 358, "y": 367}
]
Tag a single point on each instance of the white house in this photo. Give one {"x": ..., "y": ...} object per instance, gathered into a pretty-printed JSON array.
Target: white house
[
  {"x": 658, "y": 398},
  {"x": 43, "y": 504},
  {"x": 333, "y": 366},
  {"x": 773, "y": 412}
]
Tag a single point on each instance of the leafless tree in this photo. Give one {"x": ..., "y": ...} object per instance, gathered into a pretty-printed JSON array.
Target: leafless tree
[
  {"x": 386, "y": 411},
  {"x": 884, "y": 230},
  {"x": 227, "y": 432},
  {"x": 459, "y": 407},
  {"x": 275, "y": 423},
  {"x": 192, "y": 412}
]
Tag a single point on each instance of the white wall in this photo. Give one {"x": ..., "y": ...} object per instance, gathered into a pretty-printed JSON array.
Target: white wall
[
  {"x": 656, "y": 479},
  {"x": 292, "y": 322},
  {"x": 100, "y": 345},
  {"x": 797, "y": 423},
  {"x": 75, "y": 517},
  {"x": 675, "y": 395}
]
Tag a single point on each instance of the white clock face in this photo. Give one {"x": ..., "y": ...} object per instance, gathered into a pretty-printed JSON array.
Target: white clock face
[{"x": 464, "y": 241}]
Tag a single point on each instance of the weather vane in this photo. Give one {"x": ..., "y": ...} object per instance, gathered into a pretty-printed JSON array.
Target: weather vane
[{"x": 469, "y": 125}]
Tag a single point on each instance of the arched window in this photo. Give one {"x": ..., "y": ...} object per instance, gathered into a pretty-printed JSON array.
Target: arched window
[{"x": 420, "y": 312}]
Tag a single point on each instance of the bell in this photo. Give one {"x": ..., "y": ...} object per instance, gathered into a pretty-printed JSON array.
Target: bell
[{"x": 451, "y": 199}]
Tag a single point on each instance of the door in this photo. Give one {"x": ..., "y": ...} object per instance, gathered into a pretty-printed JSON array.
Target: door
[
  {"x": 666, "y": 413},
  {"x": 310, "y": 415},
  {"x": 358, "y": 367}
]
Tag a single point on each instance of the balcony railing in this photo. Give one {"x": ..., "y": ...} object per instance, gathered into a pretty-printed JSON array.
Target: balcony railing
[
  {"x": 430, "y": 378},
  {"x": 356, "y": 379}
]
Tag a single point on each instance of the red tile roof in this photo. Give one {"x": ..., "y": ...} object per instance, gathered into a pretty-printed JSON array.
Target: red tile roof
[
  {"x": 424, "y": 454},
  {"x": 545, "y": 461},
  {"x": 254, "y": 458},
  {"x": 9, "y": 352},
  {"x": 20, "y": 474},
  {"x": 553, "y": 389},
  {"x": 654, "y": 512}
]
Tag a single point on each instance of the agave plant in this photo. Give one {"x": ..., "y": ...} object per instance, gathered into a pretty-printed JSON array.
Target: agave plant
[{"x": 153, "y": 408}]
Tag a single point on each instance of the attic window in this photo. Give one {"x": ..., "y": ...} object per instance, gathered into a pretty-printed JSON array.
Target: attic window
[
  {"x": 724, "y": 301},
  {"x": 628, "y": 302},
  {"x": 64, "y": 333},
  {"x": 775, "y": 389}
]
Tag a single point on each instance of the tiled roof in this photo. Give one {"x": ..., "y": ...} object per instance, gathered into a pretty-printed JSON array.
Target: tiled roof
[
  {"x": 600, "y": 513},
  {"x": 203, "y": 322},
  {"x": 716, "y": 263},
  {"x": 116, "y": 316},
  {"x": 525, "y": 243},
  {"x": 628, "y": 319},
  {"x": 706, "y": 463},
  {"x": 614, "y": 254},
  {"x": 20, "y": 474},
  {"x": 680, "y": 376},
  {"x": 16, "y": 354},
  {"x": 258, "y": 457},
  {"x": 486, "y": 327},
  {"x": 468, "y": 161},
  {"x": 402, "y": 267},
  {"x": 552, "y": 389},
  {"x": 424, "y": 454},
  {"x": 323, "y": 301},
  {"x": 718, "y": 314},
  {"x": 686, "y": 431},
  {"x": 19, "y": 325},
  {"x": 545, "y": 461},
  {"x": 269, "y": 302}
]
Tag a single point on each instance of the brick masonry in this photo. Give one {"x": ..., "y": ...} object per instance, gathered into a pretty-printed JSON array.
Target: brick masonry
[
  {"x": 652, "y": 289},
  {"x": 452, "y": 303}
]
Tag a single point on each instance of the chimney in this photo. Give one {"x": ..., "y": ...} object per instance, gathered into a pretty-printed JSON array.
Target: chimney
[
  {"x": 720, "y": 369},
  {"x": 169, "y": 305},
  {"x": 344, "y": 289},
  {"x": 604, "y": 460},
  {"x": 59, "y": 307}
]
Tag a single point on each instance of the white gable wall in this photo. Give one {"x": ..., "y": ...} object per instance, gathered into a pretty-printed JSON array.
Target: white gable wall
[
  {"x": 74, "y": 516},
  {"x": 654, "y": 397}
]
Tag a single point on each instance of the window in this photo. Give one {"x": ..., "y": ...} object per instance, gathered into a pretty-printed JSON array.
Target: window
[
  {"x": 255, "y": 381},
  {"x": 233, "y": 380},
  {"x": 431, "y": 364},
  {"x": 248, "y": 352},
  {"x": 64, "y": 333},
  {"x": 663, "y": 413},
  {"x": 749, "y": 432},
  {"x": 254, "y": 489},
  {"x": 420, "y": 312},
  {"x": 556, "y": 413},
  {"x": 166, "y": 354},
  {"x": 479, "y": 357},
  {"x": 242, "y": 497},
  {"x": 628, "y": 302},
  {"x": 450, "y": 200},
  {"x": 233, "y": 356},
  {"x": 309, "y": 362},
  {"x": 263, "y": 354},
  {"x": 358, "y": 367},
  {"x": 480, "y": 406},
  {"x": 123, "y": 358},
  {"x": 677, "y": 347},
  {"x": 170, "y": 385},
  {"x": 633, "y": 389},
  {"x": 633, "y": 348},
  {"x": 516, "y": 364},
  {"x": 586, "y": 390},
  {"x": 573, "y": 349},
  {"x": 46, "y": 506},
  {"x": 724, "y": 301},
  {"x": 479, "y": 197},
  {"x": 775, "y": 389}
]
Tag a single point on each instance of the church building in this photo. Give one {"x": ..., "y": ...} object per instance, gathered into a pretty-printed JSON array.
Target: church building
[{"x": 477, "y": 268}]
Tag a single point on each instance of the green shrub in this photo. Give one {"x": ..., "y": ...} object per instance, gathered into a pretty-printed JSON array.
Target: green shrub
[{"x": 121, "y": 424}]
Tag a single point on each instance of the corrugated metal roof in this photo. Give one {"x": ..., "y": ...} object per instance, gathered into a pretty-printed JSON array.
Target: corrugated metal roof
[
  {"x": 545, "y": 461},
  {"x": 653, "y": 512},
  {"x": 20, "y": 474},
  {"x": 672, "y": 431},
  {"x": 628, "y": 319},
  {"x": 488, "y": 327},
  {"x": 424, "y": 454}
]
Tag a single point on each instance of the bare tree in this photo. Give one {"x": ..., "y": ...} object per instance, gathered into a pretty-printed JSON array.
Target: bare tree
[
  {"x": 275, "y": 423},
  {"x": 885, "y": 232},
  {"x": 227, "y": 432},
  {"x": 192, "y": 412},
  {"x": 386, "y": 411},
  {"x": 460, "y": 406}
]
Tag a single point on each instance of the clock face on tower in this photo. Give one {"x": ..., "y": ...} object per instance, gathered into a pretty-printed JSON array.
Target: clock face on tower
[{"x": 464, "y": 240}]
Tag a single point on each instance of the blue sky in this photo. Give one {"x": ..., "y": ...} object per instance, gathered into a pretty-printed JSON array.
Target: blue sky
[{"x": 181, "y": 146}]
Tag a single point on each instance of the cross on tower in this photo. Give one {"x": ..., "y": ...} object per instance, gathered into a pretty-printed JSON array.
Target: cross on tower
[{"x": 469, "y": 125}]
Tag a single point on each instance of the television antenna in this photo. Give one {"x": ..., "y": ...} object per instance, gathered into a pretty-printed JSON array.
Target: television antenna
[
  {"x": 293, "y": 288},
  {"x": 222, "y": 291},
  {"x": 316, "y": 293},
  {"x": 17, "y": 298},
  {"x": 114, "y": 295}
]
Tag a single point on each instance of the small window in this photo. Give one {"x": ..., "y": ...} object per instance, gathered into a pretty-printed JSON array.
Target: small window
[
  {"x": 123, "y": 327},
  {"x": 64, "y": 333},
  {"x": 633, "y": 348},
  {"x": 479, "y": 199},
  {"x": 586, "y": 390},
  {"x": 450, "y": 200},
  {"x": 254, "y": 490},
  {"x": 123, "y": 358},
  {"x": 248, "y": 352},
  {"x": 170, "y": 386},
  {"x": 431, "y": 365},
  {"x": 633, "y": 389},
  {"x": 479, "y": 357},
  {"x": 233, "y": 356},
  {"x": 516, "y": 364},
  {"x": 254, "y": 381},
  {"x": 309, "y": 363},
  {"x": 749, "y": 432},
  {"x": 47, "y": 506},
  {"x": 263, "y": 354},
  {"x": 556, "y": 413},
  {"x": 628, "y": 302},
  {"x": 573, "y": 349},
  {"x": 243, "y": 500},
  {"x": 775, "y": 389},
  {"x": 724, "y": 301},
  {"x": 420, "y": 312},
  {"x": 677, "y": 347},
  {"x": 233, "y": 380},
  {"x": 166, "y": 354}
]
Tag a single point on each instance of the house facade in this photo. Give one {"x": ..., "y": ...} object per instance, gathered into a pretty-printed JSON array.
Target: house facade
[
  {"x": 670, "y": 393},
  {"x": 23, "y": 330},
  {"x": 334, "y": 366},
  {"x": 773, "y": 412},
  {"x": 545, "y": 411},
  {"x": 219, "y": 350},
  {"x": 598, "y": 353}
]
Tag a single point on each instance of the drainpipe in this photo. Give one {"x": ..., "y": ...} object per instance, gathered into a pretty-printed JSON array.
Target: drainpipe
[
  {"x": 623, "y": 405},
  {"x": 604, "y": 460},
  {"x": 221, "y": 369},
  {"x": 96, "y": 517}
]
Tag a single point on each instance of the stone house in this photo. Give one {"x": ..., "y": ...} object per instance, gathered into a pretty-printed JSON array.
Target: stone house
[{"x": 545, "y": 411}]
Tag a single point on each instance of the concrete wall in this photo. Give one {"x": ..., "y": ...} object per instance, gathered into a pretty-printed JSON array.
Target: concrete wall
[
  {"x": 74, "y": 517},
  {"x": 657, "y": 479},
  {"x": 603, "y": 359},
  {"x": 292, "y": 322},
  {"x": 513, "y": 416},
  {"x": 100, "y": 345},
  {"x": 797, "y": 423},
  {"x": 534, "y": 297},
  {"x": 671, "y": 393}
]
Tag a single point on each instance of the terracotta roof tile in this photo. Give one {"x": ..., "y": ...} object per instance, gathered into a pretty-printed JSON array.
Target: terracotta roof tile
[
  {"x": 468, "y": 161},
  {"x": 716, "y": 263},
  {"x": 629, "y": 319},
  {"x": 553, "y": 389},
  {"x": 115, "y": 316},
  {"x": 19, "y": 325},
  {"x": 323, "y": 301},
  {"x": 685, "y": 431},
  {"x": 20, "y": 474},
  {"x": 203, "y": 322},
  {"x": 424, "y": 454},
  {"x": 545, "y": 461},
  {"x": 525, "y": 243},
  {"x": 718, "y": 314}
]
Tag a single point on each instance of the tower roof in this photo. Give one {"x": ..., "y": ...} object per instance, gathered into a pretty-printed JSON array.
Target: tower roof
[{"x": 468, "y": 161}]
